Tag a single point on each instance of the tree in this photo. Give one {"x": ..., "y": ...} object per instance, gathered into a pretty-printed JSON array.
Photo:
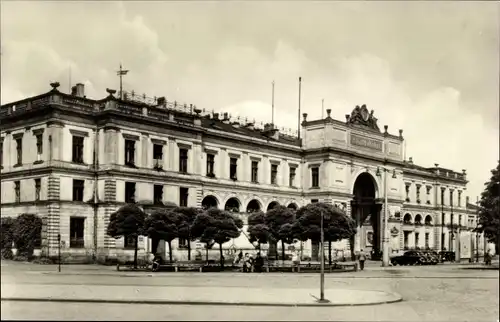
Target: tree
[
  {"x": 257, "y": 229},
  {"x": 27, "y": 233},
  {"x": 217, "y": 225},
  {"x": 6, "y": 233},
  {"x": 336, "y": 224},
  {"x": 187, "y": 217},
  {"x": 280, "y": 222},
  {"x": 163, "y": 224},
  {"x": 127, "y": 221},
  {"x": 489, "y": 208}
]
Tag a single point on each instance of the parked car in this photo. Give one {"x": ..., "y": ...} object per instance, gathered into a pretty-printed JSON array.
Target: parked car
[
  {"x": 432, "y": 257},
  {"x": 447, "y": 256},
  {"x": 411, "y": 257}
]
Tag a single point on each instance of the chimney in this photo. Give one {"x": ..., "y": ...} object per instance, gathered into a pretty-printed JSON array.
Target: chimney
[
  {"x": 226, "y": 118},
  {"x": 80, "y": 90},
  {"x": 216, "y": 116},
  {"x": 467, "y": 199},
  {"x": 410, "y": 160},
  {"x": 328, "y": 112},
  {"x": 73, "y": 90},
  {"x": 161, "y": 101},
  {"x": 347, "y": 117}
]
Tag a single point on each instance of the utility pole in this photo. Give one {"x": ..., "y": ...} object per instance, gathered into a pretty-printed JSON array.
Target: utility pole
[
  {"x": 385, "y": 254},
  {"x": 120, "y": 74}
]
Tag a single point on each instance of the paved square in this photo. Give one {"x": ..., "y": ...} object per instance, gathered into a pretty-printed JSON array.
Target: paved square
[{"x": 440, "y": 293}]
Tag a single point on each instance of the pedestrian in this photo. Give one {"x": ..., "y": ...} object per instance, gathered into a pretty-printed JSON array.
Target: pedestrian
[
  {"x": 487, "y": 258},
  {"x": 246, "y": 263},
  {"x": 362, "y": 259},
  {"x": 259, "y": 263},
  {"x": 296, "y": 259}
]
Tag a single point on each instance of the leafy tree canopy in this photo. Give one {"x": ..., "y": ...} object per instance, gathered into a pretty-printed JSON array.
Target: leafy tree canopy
[
  {"x": 337, "y": 225},
  {"x": 187, "y": 216},
  {"x": 163, "y": 224},
  {"x": 275, "y": 219},
  {"x": 489, "y": 207},
  {"x": 217, "y": 225},
  {"x": 127, "y": 221},
  {"x": 257, "y": 229}
]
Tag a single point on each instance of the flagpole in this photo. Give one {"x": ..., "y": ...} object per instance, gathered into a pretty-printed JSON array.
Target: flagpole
[
  {"x": 300, "y": 87},
  {"x": 322, "y": 108},
  {"x": 272, "y": 116},
  {"x": 120, "y": 74}
]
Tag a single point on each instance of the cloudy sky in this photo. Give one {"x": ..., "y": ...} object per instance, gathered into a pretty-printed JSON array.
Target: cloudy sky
[{"x": 430, "y": 68}]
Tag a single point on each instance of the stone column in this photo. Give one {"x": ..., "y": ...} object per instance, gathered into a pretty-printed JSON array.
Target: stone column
[{"x": 357, "y": 238}]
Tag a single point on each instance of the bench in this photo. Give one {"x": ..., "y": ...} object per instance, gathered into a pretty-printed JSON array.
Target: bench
[{"x": 346, "y": 265}]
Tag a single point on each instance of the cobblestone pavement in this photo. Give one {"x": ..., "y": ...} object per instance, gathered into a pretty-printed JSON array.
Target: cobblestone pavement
[{"x": 439, "y": 293}]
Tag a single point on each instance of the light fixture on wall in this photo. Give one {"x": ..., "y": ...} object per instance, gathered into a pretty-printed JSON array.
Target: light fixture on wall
[
  {"x": 394, "y": 173},
  {"x": 378, "y": 172}
]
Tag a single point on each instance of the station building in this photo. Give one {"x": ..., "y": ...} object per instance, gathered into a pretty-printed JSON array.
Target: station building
[{"x": 74, "y": 160}]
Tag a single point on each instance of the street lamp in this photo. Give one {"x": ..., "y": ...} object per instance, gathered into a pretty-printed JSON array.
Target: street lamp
[
  {"x": 385, "y": 243},
  {"x": 322, "y": 265}
]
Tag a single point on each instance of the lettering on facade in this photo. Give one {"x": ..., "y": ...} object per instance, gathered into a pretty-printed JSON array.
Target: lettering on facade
[{"x": 366, "y": 142}]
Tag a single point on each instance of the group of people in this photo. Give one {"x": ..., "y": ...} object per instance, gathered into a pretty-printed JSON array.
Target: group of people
[{"x": 248, "y": 262}]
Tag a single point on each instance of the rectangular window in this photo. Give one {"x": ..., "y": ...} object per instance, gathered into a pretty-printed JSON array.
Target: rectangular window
[
  {"x": 426, "y": 240},
  {"x": 459, "y": 199},
  {"x": 417, "y": 239},
  {"x": 130, "y": 153},
  {"x": 183, "y": 160},
  {"x": 38, "y": 186},
  {"x": 292, "y": 177},
  {"x": 129, "y": 242},
  {"x": 77, "y": 149},
  {"x": 1, "y": 153},
  {"x": 76, "y": 232},
  {"x": 17, "y": 190},
  {"x": 19, "y": 149},
  {"x": 183, "y": 196},
  {"x": 157, "y": 156},
  {"x": 158, "y": 194},
  {"x": 183, "y": 243},
  {"x": 315, "y": 177},
  {"x": 78, "y": 187},
  {"x": 130, "y": 192},
  {"x": 255, "y": 171},
  {"x": 233, "y": 168},
  {"x": 210, "y": 165},
  {"x": 39, "y": 147},
  {"x": 274, "y": 173},
  {"x": 314, "y": 200},
  {"x": 451, "y": 198},
  {"x": 405, "y": 239}
]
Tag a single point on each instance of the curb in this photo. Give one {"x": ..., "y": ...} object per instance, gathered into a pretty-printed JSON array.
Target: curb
[{"x": 218, "y": 303}]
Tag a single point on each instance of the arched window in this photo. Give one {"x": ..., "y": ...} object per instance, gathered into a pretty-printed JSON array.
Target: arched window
[{"x": 232, "y": 205}]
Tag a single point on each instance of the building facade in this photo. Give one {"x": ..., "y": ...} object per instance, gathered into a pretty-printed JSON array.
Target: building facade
[{"x": 73, "y": 161}]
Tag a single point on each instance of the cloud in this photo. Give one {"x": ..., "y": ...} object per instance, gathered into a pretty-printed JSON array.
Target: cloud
[{"x": 438, "y": 80}]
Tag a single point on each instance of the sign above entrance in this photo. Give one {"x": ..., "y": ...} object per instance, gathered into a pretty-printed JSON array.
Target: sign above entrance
[{"x": 366, "y": 142}]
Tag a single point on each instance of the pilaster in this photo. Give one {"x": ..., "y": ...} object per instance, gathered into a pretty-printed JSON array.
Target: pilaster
[
  {"x": 53, "y": 214},
  {"x": 111, "y": 145},
  {"x": 55, "y": 140}
]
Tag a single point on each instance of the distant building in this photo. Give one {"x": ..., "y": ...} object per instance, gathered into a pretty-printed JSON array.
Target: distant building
[{"x": 74, "y": 160}]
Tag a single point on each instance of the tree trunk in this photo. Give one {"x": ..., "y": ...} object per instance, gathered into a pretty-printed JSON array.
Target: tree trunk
[
  {"x": 154, "y": 245},
  {"x": 283, "y": 251},
  {"x": 189, "y": 249},
  {"x": 351, "y": 242},
  {"x": 135, "y": 250},
  {"x": 170, "y": 250},
  {"x": 221, "y": 257},
  {"x": 206, "y": 247},
  {"x": 329, "y": 253}
]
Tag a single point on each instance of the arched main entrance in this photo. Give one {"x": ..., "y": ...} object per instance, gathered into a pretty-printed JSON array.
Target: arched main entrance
[{"x": 366, "y": 211}]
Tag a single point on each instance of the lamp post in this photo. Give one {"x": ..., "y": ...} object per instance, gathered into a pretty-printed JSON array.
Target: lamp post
[
  {"x": 322, "y": 265},
  {"x": 59, "y": 252},
  {"x": 385, "y": 242}
]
